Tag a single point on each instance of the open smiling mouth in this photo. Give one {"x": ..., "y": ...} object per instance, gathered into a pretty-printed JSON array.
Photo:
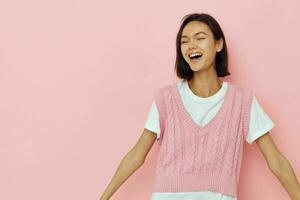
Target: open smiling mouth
[{"x": 194, "y": 57}]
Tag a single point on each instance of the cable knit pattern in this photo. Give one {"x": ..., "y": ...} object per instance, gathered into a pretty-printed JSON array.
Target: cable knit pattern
[{"x": 199, "y": 158}]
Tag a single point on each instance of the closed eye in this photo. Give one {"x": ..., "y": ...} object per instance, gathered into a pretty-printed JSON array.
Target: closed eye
[{"x": 197, "y": 39}]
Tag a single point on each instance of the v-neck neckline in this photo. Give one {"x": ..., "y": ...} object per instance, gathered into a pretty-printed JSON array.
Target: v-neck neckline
[{"x": 189, "y": 118}]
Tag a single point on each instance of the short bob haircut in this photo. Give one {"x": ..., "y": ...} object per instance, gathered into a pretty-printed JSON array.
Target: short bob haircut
[{"x": 182, "y": 68}]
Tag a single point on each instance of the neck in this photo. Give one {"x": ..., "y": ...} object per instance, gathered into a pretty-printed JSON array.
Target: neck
[{"x": 205, "y": 87}]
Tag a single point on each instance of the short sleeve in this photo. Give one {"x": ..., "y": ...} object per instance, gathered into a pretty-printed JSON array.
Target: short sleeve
[
  {"x": 152, "y": 122},
  {"x": 260, "y": 123}
]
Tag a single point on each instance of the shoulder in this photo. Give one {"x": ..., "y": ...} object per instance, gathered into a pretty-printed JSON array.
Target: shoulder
[{"x": 163, "y": 89}]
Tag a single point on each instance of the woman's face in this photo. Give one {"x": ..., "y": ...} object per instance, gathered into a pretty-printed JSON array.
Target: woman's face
[{"x": 197, "y": 39}]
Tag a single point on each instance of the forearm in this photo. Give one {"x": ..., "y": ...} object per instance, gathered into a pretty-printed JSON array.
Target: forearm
[
  {"x": 285, "y": 174},
  {"x": 126, "y": 168}
]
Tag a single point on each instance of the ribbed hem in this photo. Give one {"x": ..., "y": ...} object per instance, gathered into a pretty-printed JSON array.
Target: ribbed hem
[{"x": 174, "y": 182}]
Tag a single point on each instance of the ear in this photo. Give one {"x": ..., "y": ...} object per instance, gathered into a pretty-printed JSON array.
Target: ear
[{"x": 219, "y": 44}]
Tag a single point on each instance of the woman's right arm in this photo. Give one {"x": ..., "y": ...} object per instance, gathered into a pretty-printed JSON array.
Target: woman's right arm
[{"x": 130, "y": 163}]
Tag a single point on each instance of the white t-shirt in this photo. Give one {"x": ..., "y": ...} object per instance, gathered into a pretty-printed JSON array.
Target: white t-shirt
[{"x": 202, "y": 110}]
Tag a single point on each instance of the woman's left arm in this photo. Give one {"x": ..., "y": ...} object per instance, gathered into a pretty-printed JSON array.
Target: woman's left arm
[{"x": 279, "y": 165}]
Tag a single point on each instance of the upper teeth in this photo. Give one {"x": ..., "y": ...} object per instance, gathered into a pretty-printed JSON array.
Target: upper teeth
[{"x": 195, "y": 54}]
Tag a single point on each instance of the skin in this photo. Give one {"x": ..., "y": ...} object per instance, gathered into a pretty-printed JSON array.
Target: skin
[
  {"x": 204, "y": 84},
  {"x": 205, "y": 81}
]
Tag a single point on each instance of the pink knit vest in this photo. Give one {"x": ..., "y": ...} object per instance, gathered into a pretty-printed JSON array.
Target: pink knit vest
[{"x": 195, "y": 158}]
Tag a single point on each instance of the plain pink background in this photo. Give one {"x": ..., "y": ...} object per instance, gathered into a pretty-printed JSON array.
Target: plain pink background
[{"x": 77, "y": 81}]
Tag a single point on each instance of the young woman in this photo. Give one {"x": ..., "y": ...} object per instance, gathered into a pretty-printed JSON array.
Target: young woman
[{"x": 200, "y": 123}]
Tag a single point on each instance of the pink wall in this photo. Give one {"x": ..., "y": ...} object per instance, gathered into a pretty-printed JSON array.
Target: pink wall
[{"x": 77, "y": 79}]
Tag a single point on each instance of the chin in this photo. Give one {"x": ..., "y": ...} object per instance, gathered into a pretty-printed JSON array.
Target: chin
[{"x": 195, "y": 67}]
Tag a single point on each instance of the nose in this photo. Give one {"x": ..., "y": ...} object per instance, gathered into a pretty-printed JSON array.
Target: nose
[{"x": 192, "y": 46}]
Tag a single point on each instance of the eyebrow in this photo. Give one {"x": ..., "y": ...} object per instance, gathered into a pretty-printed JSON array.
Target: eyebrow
[{"x": 195, "y": 34}]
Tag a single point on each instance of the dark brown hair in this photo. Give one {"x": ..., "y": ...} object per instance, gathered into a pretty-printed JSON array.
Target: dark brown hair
[{"x": 182, "y": 68}]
